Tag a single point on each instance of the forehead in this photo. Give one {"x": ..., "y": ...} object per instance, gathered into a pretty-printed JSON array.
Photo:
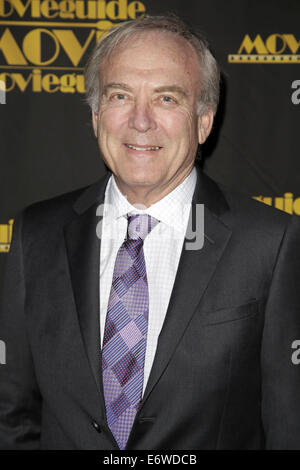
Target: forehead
[{"x": 154, "y": 55}]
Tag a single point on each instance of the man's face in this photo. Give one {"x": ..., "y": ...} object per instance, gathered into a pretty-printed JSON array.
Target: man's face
[{"x": 147, "y": 126}]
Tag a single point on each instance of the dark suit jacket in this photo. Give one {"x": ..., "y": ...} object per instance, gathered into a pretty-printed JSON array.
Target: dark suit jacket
[{"x": 222, "y": 377}]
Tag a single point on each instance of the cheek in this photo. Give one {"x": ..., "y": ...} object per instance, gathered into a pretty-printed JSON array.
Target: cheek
[
  {"x": 179, "y": 127},
  {"x": 111, "y": 121}
]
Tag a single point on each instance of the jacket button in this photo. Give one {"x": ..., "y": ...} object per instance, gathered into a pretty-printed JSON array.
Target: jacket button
[{"x": 96, "y": 426}]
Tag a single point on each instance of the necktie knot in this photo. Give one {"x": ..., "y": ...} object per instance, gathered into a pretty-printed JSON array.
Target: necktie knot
[{"x": 140, "y": 225}]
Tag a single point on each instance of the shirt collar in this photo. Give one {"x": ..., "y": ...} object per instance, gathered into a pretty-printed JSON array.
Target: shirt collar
[{"x": 172, "y": 209}]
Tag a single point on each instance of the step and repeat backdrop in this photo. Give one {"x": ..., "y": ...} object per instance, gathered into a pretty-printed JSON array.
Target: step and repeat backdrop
[{"x": 47, "y": 146}]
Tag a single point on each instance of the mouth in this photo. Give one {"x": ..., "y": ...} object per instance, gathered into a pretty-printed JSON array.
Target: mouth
[{"x": 143, "y": 148}]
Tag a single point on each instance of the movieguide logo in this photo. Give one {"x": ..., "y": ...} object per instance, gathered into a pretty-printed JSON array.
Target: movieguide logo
[
  {"x": 275, "y": 49},
  {"x": 44, "y": 43}
]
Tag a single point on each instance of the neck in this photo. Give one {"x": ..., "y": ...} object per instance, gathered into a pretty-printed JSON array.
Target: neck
[{"x": 144, "y": 196}]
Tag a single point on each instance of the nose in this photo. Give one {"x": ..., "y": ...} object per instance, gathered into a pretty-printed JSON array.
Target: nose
[{"x": 141, "y": 117}]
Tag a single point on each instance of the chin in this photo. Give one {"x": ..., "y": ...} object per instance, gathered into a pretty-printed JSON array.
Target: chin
[
  {"x": 140, "y": 181},
  {"x": 140, "y": 176}
]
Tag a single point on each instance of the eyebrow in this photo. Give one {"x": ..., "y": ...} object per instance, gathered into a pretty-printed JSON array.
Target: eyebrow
[
  {"x": 122, "y": 86},
  {"x": 161, "y": 89},
  {"x": 172, "y": 88}
]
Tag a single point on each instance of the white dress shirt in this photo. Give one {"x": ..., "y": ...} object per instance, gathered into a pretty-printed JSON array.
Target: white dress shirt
[{"x": 162, "y": 250}]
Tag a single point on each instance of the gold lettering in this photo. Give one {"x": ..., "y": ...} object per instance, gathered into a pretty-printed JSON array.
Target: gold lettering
[
  {"x": 271, "y": 44},
  {"x": 20, "y": 7},
  {"x": 265, "y": 200},
  {"x": 249, "y": 45},
  {"x": 70, "y": 9},
  {"x": 278, "y": 203},
  {"x": 80, "y": 86},
  {"x": 136, "y": 10},
  {"x": 67, "y": 8},
  {"x": 49, "y": 80},
  {"x": 3, "y": 12},
  {"x": 47, "y": 6},
  {"x": 10, "y": 228},
  {"x": 6, "y": 232},
  {"x": 71, "y": 45},
  {"x": 286, "y": 203},
  {"x": 297, "y": 206},
  {"x": 4, "y": 77},
  {"x": 291, "y": 42},
  {"x": 3, "y": 234},
  {"x": 35, "y": 9},
  {"x": 11, "y": 50},
  {"x": 288, "y": 206},
  {"x": 20, "y": 80},
  {"x": 49, "y": 83},
  {"x": 32, "y": 46},
  {"x": 37, "y": 81},
  {"x": 68, "y": 83},
  {"x": 101, "y": 9},
  {"x": 82, "y": 6},
  {"x": 117, "y": 9}
]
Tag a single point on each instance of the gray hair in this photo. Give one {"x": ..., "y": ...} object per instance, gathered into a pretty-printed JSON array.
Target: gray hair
[{"x": 210, "y": 72}]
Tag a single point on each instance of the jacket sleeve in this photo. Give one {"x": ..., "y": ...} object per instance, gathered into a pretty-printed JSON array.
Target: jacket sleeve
[
  {"x": 280, "y": 370},
  {"x": 20, "y": 400}
]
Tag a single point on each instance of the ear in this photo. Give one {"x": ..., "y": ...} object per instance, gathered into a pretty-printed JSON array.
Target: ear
[
  {"x": 95, "y": 122},
  {"x": 205, "y": 122}
]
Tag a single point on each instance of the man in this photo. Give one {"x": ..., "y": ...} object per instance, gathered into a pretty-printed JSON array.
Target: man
[{"x": 184, "y": 348}]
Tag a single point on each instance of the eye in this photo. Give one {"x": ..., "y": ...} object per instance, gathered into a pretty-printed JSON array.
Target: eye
[
  {"x": 117, "y": 97},
  {"x": 168, "y": 99}
]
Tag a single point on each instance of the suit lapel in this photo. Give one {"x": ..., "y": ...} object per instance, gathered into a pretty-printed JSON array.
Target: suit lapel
[
  {"x": 195, "y": 270},
  {"x": 83, "y": 250}
]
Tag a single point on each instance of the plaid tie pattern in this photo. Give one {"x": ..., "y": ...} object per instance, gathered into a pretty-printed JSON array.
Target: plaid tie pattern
[{"x": 125, "y": 334}]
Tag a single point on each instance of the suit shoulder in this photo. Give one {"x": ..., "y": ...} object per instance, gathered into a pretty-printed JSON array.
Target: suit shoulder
[
  {"x": 57, "y": 206},
  {"x": 51, "y": 214},
  {"x": 250, "y": 211}
]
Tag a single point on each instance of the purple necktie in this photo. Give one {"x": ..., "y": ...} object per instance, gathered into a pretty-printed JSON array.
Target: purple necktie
[{"x": 125, "y": 334}]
